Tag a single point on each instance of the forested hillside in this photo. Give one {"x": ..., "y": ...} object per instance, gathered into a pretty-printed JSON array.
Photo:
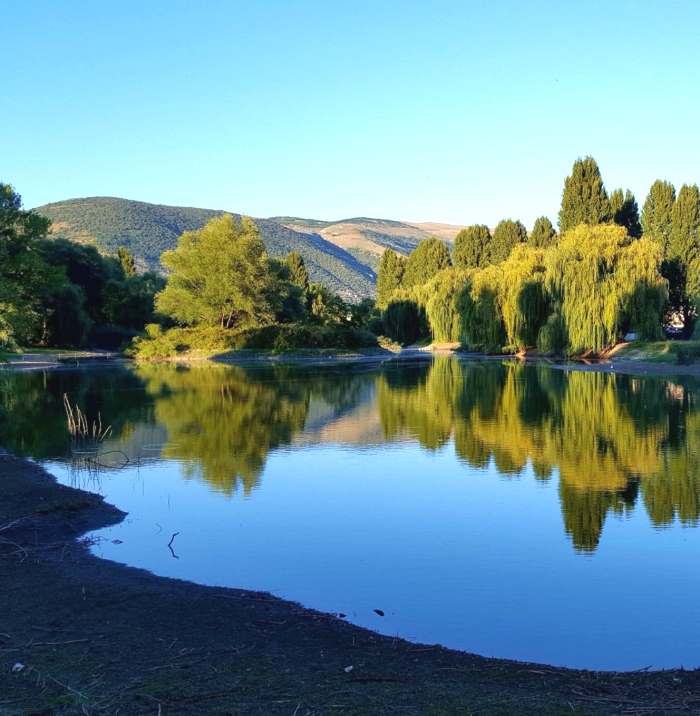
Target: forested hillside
[{"x": 149, "y": 229}]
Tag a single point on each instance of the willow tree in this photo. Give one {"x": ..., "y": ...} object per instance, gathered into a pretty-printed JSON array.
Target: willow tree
[
  {"x": 605, "y": 283},
  {"x": 625, "y": 212},
  {"x": 523, "y": 296},
  {"x": 472, "y": 247},
  {"x": 543, "y": 234},
  {"x": 389, "y": 276},
  {"x": 479, "y": 306},
  {"x": 657, "y": 213},
  {"x": 584, "y": 200},
  {"x": 506, "y": 236},
  {"x": 427, "y": 259},
  {"x": 219, "y": 276},
  {"x": 443, "y": 298}
]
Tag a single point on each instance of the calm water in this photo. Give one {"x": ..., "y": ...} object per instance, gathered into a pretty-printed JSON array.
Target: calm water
[{"x": 520, "y": 512}]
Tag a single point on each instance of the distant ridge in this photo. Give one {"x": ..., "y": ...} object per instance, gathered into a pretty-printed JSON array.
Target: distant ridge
[
  {"x": 149, "y": 229},
  {"x": 342, "y": 255}
]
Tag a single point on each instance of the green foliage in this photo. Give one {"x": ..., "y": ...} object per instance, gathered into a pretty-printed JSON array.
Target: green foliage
[
  {"x": 605, "y": 284},
  {"x": 552, "y": 338},
  {"x": 584, "y": 200},
  {"x": 426, "y": 260},
  {"x": 657, "y": 214},
  {"x": 506, "y": 236},
  {"x": 472, "y": 247},
  {"x": 389, "y": 276},
  {"x": 443, "y": 299},
  {"x": 279, "y": 338},
  {"x": 220, "y": 275},
  {"x": 482, "y": 318},
  {"x": 684, "y": 239},
  {"x": 298, "y": 275},
  {"x": 147, "y": 230},
  {"x": 522, "y": 296},
  {"x": 543, "y": 234},
  {"x": 625, "y": 212},
  {"x": 127, "y": 261},
  {"x": 402, "y": 320}
]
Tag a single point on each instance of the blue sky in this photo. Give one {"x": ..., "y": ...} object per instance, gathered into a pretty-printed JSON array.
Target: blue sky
[{"x": 446, "y": 111}]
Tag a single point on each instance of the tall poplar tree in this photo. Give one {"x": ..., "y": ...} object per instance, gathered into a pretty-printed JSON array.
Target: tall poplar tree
[
  {"x": 657, "y": 213},
  {"x": 472, "y": 247},
  {"x": 298, "y": 275},
  {"x": 429, "y": 257},
  {"x": 389, "y": 276},
  {"x": 625, "y": 212},
  {"x": 684, "y": 240},
  {"x": 506, "y": 236},
  {"x": 584, "y": 200},
  {"x": 543, "y": 234}
]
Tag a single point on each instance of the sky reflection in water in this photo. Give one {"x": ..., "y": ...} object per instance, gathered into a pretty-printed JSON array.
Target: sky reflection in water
[{"x": 521, "y": 512}]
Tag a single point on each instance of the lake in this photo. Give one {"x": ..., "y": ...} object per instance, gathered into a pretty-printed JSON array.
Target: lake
[{"x": 518, "y": 511}]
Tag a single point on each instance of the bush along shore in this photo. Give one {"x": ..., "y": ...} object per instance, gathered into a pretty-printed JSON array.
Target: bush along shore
[{"x": 104, "y": 638}]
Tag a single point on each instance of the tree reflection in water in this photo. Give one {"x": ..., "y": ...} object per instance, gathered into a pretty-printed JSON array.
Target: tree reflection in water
[{"x": 609, "y": 438}]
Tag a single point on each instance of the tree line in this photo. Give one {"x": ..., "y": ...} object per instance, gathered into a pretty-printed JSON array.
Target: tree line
[
  {"x": 606, "y": 272},
  {"x": 62, "y": 293}
]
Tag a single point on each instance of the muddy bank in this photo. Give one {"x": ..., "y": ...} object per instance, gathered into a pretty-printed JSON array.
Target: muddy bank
[{"x": 89, "y": 636}]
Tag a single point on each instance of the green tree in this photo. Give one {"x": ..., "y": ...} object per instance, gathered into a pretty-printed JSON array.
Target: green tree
[
  {"x": 584, "y": 200},
  {"x": 127, "y": 261},
  {"x": 684, "y": 240},
  {"x": 605, "y": 285},
  {"x": 506, "y": 236},
  {"x": 543, "y": 234},
  {"x": 472, "y": 247},
  {"x": 26, "y": 280},
  {"x": 298, "y": 275},
  {"x": 389, "y": 276},
  {"x": 625, "y": 212},
  {"x": 219, "y": 276},
  {"x": 657, "y": 213},
  {"x": 427, "y": 259}
]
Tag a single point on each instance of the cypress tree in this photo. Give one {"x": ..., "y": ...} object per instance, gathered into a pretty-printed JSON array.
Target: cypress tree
[
  {"x": 507, "y": 235},
  {"x": 472, "y": 247},
  {"x": 625, "y": 212},
  {"x": 390, "y": 276},
  {"x": 584, "y": 200},
  {"x": 657, "y": 213},
  {"x": 127, "y": 261},
  {"x": 298, "y": 275},
  {"x": 684, "y": 240},
  {"x": 427, "y": 259},
  {"x": 543, "y": 234}
]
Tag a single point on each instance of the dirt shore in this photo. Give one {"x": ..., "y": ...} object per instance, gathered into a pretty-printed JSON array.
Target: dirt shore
[{"x": 79, "y": 635}]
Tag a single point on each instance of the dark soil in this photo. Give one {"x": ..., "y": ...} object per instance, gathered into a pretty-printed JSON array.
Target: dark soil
[{"x": 93, "y": 637}]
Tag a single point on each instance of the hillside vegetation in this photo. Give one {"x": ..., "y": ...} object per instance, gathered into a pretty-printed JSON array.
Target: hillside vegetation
[{"x": 147, "y": 230}]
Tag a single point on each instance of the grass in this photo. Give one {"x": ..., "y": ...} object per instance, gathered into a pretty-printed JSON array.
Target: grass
[{"x": 676, "y": 352}]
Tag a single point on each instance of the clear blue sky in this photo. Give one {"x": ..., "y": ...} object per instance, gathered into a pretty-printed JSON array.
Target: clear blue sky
[{"x": 447, "y": 111}]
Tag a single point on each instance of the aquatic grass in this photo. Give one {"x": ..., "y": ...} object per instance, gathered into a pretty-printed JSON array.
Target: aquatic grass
[{"x": 81, "y": 428}]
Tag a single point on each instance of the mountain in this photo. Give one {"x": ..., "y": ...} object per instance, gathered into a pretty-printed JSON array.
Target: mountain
[
  {"x": 366, "y": 238},
  {"x": 342, "y": 255},
  {"x": 149, "y": 229}
]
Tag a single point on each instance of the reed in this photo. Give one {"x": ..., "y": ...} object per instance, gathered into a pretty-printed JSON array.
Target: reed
[{"x": 81, "y": 428}]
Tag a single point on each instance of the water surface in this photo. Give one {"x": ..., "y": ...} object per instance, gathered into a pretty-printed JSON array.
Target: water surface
[{"x": 513, "y": 511}]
